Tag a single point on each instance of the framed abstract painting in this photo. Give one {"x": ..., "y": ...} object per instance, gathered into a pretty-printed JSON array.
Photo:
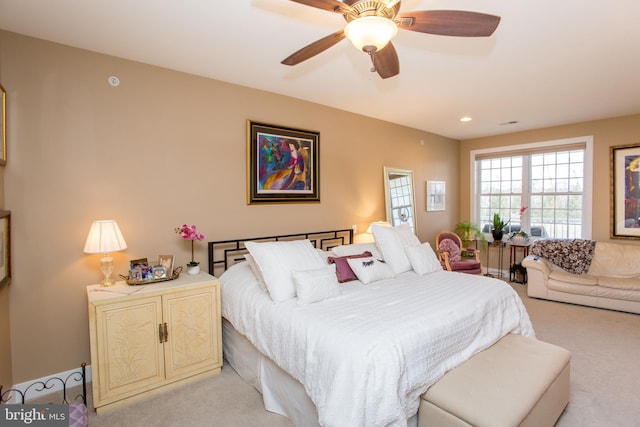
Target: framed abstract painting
[
  {"x": 625, "y": 191},
  {"x": 283, "y": 164}
]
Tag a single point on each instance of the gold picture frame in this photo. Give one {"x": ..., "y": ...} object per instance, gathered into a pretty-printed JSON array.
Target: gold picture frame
[
  {"x": 5, "y": 247},
  {"x": 625, "y": 191},
  {"x": 3, "y": 123}
]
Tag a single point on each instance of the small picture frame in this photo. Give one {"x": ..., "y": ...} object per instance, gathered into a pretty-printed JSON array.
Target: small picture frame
[
  {"x": 159, "y": 272},
  {"x": 147, "y": 272},
  {"x": 138, "y": 263},
  {"x": 167, "y": 262},
  {"x": 135, "y": 273}
]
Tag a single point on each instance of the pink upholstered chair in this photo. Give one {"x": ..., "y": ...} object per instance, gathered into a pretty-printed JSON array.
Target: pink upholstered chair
[{"x": 449, "y": 248}]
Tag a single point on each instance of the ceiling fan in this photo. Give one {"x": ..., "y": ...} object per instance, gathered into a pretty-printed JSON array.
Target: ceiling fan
[{"x": 371, "y": 24}]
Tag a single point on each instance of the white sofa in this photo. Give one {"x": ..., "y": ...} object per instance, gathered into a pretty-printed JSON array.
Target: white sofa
[{"x": 612, "y": 280}]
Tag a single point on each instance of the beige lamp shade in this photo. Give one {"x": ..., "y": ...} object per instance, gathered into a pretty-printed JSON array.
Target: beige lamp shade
[
  {"x": 104, "y": 237},
  {"x": 380, "y": 223}
]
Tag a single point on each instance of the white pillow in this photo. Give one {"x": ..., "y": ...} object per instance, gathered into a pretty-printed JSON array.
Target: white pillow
[
  {"x": 391, "y": 242},
  {"x": 256, "y": 271},
  {"x": 423, "y": 259},
  {"x": 316, "y": 285},
  {"x": 276, "y": 261},
  {"x": 370, "y": 269},
  {"x": 325, "y": 255},
  {"x": 356, "y": 249}
]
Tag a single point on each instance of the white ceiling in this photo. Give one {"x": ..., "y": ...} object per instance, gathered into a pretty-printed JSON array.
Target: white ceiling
[{"x": 549, "y": 62}]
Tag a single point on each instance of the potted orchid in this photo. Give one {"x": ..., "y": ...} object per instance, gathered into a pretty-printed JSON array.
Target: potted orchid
[
  {"x": 520, "y": 236},
  {"x": 189, "y": 232}
]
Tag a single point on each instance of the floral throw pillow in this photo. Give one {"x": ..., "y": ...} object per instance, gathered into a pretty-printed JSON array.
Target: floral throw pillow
[{"x": 448, "y": 245}]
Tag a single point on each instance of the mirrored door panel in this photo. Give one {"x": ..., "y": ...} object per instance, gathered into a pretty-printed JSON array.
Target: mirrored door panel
[{"x": 400, "y": 197}]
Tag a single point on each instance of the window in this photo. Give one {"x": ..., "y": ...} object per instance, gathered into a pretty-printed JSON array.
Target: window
[
  {"x": 557, "y": 185},
  {"x": 548, "y": 180},
  {"x": 501, "y": 190}
]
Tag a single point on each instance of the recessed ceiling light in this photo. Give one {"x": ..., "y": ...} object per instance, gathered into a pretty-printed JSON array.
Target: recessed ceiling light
[{"x": 466, "y": 119}]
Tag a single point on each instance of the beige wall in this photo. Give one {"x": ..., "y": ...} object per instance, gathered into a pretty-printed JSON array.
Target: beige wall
[
  {"x": 606, "y": 133},
  {"x": 5, "y": 334},
  {"x": 161, "y": 149}
]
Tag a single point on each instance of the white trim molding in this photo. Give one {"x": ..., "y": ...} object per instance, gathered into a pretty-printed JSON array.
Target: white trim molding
[{"x": 53, "y": 383}]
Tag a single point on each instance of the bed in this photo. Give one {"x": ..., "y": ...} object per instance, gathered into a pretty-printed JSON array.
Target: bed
[
  {"x": 359, "y": 353},
  {"x": 47, "y": 390}
]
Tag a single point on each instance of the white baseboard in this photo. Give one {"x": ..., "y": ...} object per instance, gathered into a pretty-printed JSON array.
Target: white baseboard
[{"x": 52, "y": 382}]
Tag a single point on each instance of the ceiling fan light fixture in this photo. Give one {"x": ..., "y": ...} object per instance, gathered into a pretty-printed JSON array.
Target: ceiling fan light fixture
[{"x": 370, "y": 31}]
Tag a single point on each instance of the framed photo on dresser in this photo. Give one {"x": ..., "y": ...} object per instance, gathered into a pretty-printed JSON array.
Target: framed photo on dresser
[{"x": 166, "y": 261}]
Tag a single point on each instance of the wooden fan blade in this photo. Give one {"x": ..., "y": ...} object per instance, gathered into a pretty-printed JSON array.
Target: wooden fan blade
[
  {"x": 386, "y": 61},
  {"x": 330, "y": 5},
  {"x": 457, "y": 23},
  {"x": 314, "y": 48}
]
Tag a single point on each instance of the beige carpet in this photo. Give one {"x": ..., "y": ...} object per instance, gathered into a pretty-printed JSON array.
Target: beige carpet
[
  {"x": 605, "y": 361},
  {"x": 224, "y": 400},
  {"x": 605, "y": 378}
]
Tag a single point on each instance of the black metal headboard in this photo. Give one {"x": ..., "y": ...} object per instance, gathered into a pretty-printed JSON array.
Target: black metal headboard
[{"x": 225, "y": 253}]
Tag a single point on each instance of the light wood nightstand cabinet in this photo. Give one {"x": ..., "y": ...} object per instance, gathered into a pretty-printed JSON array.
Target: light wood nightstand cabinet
[{"x": 148, "y": 338}]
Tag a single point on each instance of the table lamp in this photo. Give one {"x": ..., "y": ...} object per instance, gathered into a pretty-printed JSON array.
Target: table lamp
[
  {"x": 105, "y": 237},
  {"x": 380, "y": 223}
]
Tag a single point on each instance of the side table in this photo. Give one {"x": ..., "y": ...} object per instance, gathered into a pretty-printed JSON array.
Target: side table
[
  {"x": 499, "y": 245},
  {"x": 516, "y": 270},
  {"x": 153, "y": 337}
]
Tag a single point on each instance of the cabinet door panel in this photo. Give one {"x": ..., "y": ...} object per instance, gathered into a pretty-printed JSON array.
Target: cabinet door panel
[
  {"x": 131, "y": 356},
  {"x": 193, "y": 327}
]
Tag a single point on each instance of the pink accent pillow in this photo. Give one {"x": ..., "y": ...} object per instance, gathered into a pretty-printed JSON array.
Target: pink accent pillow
[
  {"x": 343, "y": 270},
  {"x": 448, "y": 245}
]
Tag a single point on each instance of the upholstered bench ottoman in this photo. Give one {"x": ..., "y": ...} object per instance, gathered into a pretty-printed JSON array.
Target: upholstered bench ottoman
[{"x": 518, "y": 381}]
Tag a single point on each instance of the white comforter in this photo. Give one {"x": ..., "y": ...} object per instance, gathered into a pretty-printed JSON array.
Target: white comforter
[{"x": 366, "y": 356}]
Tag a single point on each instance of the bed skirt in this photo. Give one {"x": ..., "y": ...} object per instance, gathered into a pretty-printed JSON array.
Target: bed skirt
[{"x": 281, "y": 393}]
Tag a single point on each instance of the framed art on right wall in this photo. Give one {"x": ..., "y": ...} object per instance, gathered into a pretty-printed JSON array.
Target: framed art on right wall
[{"x": 625, "y": 191}]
